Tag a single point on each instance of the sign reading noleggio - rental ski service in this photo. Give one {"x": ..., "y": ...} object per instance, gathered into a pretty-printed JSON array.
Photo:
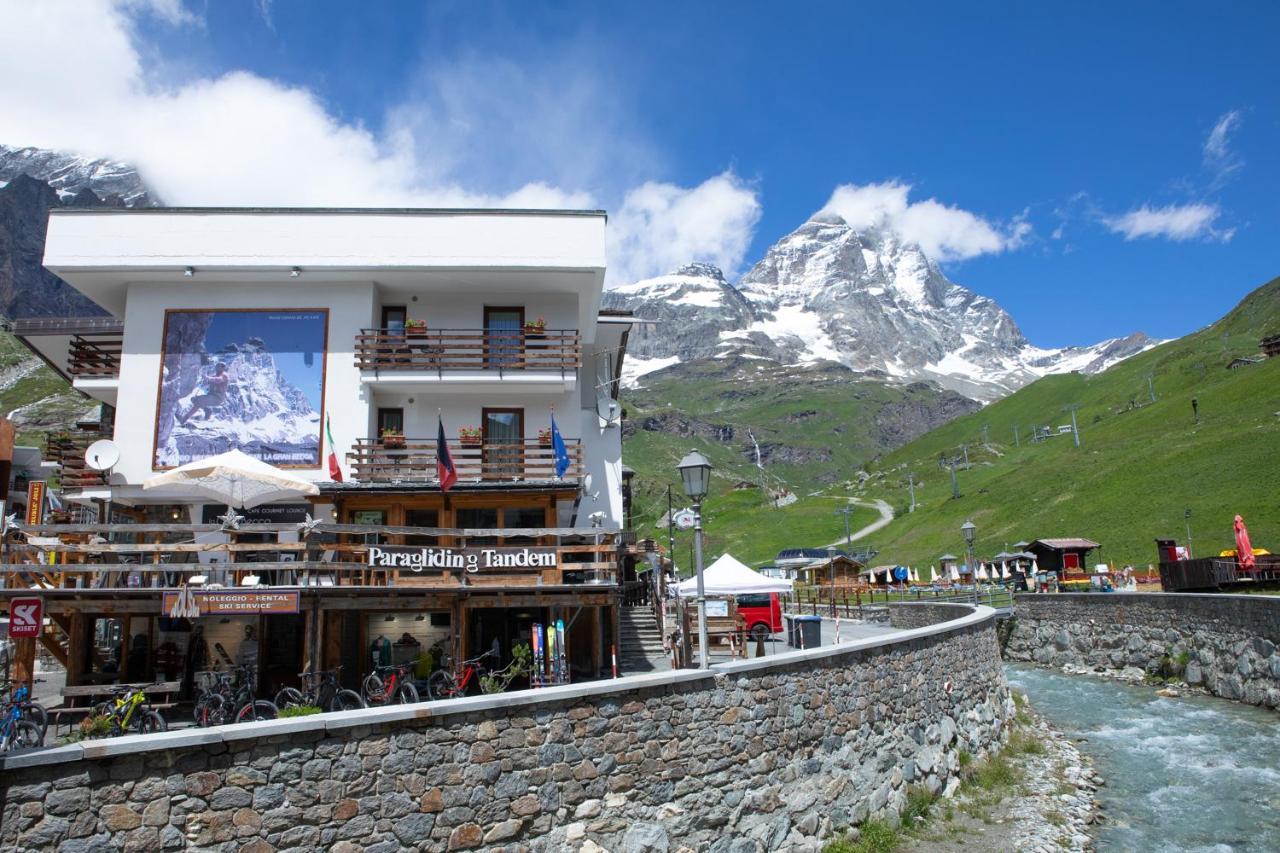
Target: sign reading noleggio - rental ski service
[{"x": 472, "y": 560}]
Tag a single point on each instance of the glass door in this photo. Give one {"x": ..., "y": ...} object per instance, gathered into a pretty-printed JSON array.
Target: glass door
[
  {"x": 503, "y": 431},
  {"x": 504, "y": 336}
]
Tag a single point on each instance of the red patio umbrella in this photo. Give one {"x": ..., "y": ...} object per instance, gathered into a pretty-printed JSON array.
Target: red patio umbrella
[{"x": 1244, "y": 549}]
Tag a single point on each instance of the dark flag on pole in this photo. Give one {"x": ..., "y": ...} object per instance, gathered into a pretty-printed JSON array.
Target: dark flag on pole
[{"x": 444, "y": 460}]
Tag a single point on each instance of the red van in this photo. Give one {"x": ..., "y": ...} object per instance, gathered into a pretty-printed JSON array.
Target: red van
[{"x": 762, "y": 612}]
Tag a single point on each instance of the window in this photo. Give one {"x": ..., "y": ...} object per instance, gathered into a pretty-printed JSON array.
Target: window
[
  {"x": 392, "y": 419},
  {"x": 421, "y": 518},
  {"x": 523, "y": 517},
  {"x": 477, "y": 518},
  {"x": 393, "y": 317},
  {"x": 504, "y": 336},
  {"x": 503, "y": 443}
]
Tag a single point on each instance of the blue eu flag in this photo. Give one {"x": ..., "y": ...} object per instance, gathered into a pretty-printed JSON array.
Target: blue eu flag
[{"x": 561, "y": 452}]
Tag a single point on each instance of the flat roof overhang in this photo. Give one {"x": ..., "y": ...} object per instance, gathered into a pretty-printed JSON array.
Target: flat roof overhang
[{"x": 101, "y": 252}]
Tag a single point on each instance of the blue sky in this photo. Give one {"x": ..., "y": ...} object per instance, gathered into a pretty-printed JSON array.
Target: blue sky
[{"x": 1096, "y": 168}]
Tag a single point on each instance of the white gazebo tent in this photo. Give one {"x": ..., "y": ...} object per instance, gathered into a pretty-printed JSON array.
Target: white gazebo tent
[{"x": 728, "y": 576}]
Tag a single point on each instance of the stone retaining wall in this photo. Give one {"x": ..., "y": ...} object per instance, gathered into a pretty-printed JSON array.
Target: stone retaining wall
[
  {"x": 767, "y": 754},
  {"x": 1224, "y": 643},
  {"x": 920, "y": 615}
]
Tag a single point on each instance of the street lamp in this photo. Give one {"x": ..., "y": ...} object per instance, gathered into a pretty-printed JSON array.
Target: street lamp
[
  {"x": 695, "y": 470},
  {"x": 831, "y": 565},
  {"x": 969, "y": 529}
]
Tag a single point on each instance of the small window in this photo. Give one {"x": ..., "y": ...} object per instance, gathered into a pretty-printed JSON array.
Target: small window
[
  {"x": 523, "y": 517},
  {"x": 754, "y": 600},
  {"x": 390, "y": 419},
  {"x": 477, "y": 518}
]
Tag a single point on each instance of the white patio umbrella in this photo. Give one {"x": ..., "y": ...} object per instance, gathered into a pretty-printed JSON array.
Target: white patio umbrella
[
  {"x": 915, "y": 576},
  {"x": 1004, "y": 571},
  {"x": 933, "y": 575},
  {"x": 981, "y": 574},
  {"x": 233, "y": 478},
  {"x": 955, "y": 573}
]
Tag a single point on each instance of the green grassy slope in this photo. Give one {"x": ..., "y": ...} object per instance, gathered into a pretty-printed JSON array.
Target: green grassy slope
[
  {"x": 815, "y": 427},
  {"x": 33, "y": 396},
  {"x": 1138, "y": 469}
]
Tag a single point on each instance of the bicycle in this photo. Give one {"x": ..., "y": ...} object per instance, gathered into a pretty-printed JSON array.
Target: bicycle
[
  {"x": 389, "y": 685},
  {"x": 20, "y": 695},
  {"x": 130, "y": 711},
  {"x": 230, "y": 699},
  {"x": 445, "y": 683},
  {"x": 320, "y": 689},
  {"x": 17, "y": 733}
]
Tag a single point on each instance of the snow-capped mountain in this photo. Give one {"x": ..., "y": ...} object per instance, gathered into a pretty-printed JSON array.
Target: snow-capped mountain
[
  {"x": 70, "y": 173},
  {"x": 864, "y": 299}
]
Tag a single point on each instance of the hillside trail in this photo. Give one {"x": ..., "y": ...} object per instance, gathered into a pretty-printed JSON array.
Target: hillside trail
[{"x": 886, "y": 516}]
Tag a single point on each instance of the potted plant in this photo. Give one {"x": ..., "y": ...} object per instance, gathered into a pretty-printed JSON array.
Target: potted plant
[
  {"x": 392, "y": 439},
  {"x": 470, "y": 436},
  {"x": 415, "y": 327},
  {"x": 544, "y": 437},
  {"x": 536, "y": 327}
]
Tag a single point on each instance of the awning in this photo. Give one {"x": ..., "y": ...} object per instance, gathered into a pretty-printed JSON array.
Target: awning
[{"x": 728, "y": 576}]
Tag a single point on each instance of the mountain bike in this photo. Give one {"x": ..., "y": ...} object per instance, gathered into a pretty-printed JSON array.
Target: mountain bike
[
  {"x": 230, "y": 699},
  {"x": 33, "y": 711},
  {"x": 389, "y": 685},
  {"x": 447, "y": 683},
  {"x": 130, "y": 712},
  {"x": 16, "y": 732},
  {"x": 320, "y": 688}
]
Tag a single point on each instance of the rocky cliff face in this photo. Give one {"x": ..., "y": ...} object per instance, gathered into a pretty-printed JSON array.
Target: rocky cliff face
[{"x": 863, "y": 299}]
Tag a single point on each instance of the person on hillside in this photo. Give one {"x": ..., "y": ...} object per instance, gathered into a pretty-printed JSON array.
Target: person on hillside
[{"x": 215, "y": 395}]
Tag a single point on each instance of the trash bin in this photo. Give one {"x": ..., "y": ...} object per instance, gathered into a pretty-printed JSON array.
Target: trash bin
[{"x": 805, "y": 632}]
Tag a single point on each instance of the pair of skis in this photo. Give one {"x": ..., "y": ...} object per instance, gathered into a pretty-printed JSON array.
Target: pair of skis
[{"x": 550, "y": 662}]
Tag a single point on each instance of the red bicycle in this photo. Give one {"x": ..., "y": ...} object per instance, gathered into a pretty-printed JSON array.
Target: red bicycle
[
  {"x": 389, "y": 685},
  {"x": 448, "y": 683}
]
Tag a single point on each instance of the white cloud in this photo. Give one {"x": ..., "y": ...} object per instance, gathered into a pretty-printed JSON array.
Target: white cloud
[
  {"x": 471, "y": 132},
  {"x": 1219, "y": 159},
  {"x": 1174, "y": 222},
  {"x": 661, "y": 226},
  {"x": 943, "y": 232}
]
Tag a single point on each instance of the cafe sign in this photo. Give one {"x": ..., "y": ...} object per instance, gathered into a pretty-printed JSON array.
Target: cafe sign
[
  {"x": 238, "y": 603},
  {"x": 471, "y": 560}
]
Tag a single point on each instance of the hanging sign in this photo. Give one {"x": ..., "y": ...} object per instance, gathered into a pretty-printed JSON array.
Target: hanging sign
[
  {"x": 230, "y": 603},
  {"x": 25, "y": 617},
  {"x": 471, "y": 560},
  {"x": 35, "y": 502},
  {"x": 684, "y": 519}
]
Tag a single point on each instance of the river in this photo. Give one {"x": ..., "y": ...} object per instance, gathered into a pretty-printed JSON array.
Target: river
[{"x": 1191, "y": 773}]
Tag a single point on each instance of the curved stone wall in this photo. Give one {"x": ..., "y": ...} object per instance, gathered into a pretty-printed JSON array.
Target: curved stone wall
[
  {"x": 767, "y": 754},
  {"x": 1224, "y": 643}
]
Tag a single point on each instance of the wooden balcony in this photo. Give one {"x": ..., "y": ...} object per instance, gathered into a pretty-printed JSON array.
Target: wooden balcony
[
  {"x": 67, "y": 450},
  {"x": 95, "y": 356},
  {"x": 165, "y": 557},
  {"x": 442, "y": 350},
  {"x": 413, "y": 460}
]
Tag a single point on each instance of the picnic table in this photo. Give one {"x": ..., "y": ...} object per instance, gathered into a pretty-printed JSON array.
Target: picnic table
[{"x": 79, "y": 700}]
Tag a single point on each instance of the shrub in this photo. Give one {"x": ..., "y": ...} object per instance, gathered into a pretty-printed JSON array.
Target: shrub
[{"x": 299, "y": 711}]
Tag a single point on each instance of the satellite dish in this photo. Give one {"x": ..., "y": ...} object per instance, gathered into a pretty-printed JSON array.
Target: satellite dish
[
  {"x": 102, "y": 455},
  {"x": 586, "y": 483},
  {"x": 609, "y": 410}
]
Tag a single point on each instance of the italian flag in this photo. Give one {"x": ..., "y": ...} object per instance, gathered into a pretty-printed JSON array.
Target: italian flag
[{"x": 335, "y": 472}]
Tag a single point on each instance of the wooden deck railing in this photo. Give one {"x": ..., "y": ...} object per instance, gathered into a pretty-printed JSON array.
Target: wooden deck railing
[
  {"x": 373, "y": 460},
  {"x": 95, "y": 356},
  {"x": 468, "y": 349},
  {"x": 77, "y": 559},
  {"x": 67, "y": 450}
]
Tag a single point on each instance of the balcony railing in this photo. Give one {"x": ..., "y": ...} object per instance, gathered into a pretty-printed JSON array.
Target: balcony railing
[
  {"x": 206, "y": 556},
  {"x": 375, "y": 460},
  {"x": 95, "y": 356},
  {"x": 67, "y": 450},
  {"x": 468, "y": 349}
]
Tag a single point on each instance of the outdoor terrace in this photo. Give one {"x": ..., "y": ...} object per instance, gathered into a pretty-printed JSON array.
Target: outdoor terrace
[
  {"x": 442, "y": 354},
  {"x": 95, "y": 355},
  {"x": 379, "y": 460},
  {"x": 66, "y": 449},
  {"x": 78, "y": 558}
]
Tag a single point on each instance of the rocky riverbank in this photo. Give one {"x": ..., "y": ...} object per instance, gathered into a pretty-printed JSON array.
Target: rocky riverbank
[{"x": 1037, "y": 795}]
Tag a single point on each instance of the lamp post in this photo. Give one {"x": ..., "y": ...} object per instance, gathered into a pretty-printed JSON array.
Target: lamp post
[
  {"x": 969, "y": 529},
  {"x": 695, "y": 470},
  {"x": 831, "y": 566}
]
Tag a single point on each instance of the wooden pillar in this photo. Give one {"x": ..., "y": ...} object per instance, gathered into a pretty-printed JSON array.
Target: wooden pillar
[
  {"x": 24, "y": 660},
  {"x": 77, "y": 648}
]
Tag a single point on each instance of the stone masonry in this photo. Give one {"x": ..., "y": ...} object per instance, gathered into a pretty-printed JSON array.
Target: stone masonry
[
  {"x": 768, "y": 754},
  {"x": 1226, "y": 644}
]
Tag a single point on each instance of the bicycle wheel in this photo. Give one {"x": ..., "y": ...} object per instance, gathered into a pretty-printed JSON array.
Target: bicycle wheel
[
  {"x": 151, "y": 721},
  {"x": 36, "y": 713},
  {"x": 259, "y": 709},
  {"x": 346, "y": 700},
  {"x": 373, "y": 691},
  {"x": 26, "y": 735},
  {"x": 289, "y": 697},
  {"x": 211, "y": 710},
  {"x": 406, "y": 694},
  {"x": 441, "y": 685}
]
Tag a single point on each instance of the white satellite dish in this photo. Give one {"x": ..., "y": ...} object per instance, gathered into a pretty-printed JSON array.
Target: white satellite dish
[
  {"x": 102, "y": 455},
  {"x": 586, "y": 482},
  {"x": 609, "y": 411}
]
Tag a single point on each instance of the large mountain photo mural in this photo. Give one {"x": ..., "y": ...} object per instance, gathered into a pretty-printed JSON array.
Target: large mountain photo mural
[{"x": 245, "y": 380}]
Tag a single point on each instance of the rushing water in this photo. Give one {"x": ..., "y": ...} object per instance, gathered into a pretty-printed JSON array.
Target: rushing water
[{"x": 1192, "y": 773}]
